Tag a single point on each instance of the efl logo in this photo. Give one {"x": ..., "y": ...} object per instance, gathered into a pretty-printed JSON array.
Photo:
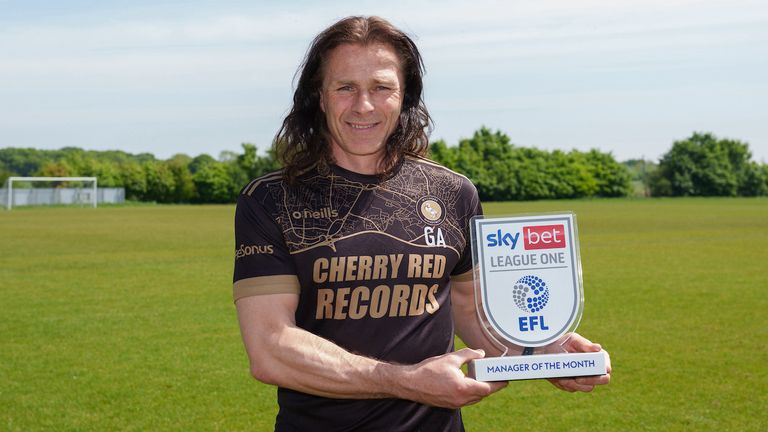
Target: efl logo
[
  {"x": 544, "y": 237},
  {"x": 531, "y": 295}
]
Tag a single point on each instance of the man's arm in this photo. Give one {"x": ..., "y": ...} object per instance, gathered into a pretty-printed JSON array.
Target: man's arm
[
  {"x": 282, "y": 354},
  {"x": 467, "y": 323},
  {"x": 470, "y": 330}
]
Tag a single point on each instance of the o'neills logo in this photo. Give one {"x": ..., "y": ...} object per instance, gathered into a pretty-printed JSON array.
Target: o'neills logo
[
  {"x": 325, "y": 212},
  {"x": 244, "y": 251},
  {"x": 431, "y": 209}
]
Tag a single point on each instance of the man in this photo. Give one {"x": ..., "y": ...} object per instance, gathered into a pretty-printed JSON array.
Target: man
[{"x": 353, "y": 263}]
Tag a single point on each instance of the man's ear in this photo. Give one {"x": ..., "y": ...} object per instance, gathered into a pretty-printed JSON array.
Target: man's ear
[{"x": 322, "y": 102}]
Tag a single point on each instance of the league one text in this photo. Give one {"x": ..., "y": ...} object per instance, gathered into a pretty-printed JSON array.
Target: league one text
[{"x": 530, "y": 293}]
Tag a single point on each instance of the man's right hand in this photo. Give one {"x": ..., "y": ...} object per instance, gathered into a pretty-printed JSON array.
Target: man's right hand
[{"x": 439, "y": 381}]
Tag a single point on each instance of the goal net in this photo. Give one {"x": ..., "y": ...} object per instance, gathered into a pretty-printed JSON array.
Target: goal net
[{"x": 20, "y": 191}]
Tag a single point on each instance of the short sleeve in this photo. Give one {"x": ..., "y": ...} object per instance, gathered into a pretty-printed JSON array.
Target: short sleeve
[
  {"x": 470, "y": 207},
  {"x": 263, "y": 263}
]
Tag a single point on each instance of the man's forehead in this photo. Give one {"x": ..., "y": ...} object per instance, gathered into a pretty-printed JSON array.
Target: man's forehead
[
  {"x": 361, "y": 47},
  {"x": 375, "y": 57}
]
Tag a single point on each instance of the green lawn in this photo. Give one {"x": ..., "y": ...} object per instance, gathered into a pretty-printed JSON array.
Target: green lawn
[{"x": 120, "y": 318}]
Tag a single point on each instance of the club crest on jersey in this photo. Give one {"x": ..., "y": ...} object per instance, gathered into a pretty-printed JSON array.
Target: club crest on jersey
[{"x": 431, "y": 210}]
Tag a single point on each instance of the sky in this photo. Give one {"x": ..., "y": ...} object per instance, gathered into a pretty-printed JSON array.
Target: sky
[{"x": 195, "y": 76}]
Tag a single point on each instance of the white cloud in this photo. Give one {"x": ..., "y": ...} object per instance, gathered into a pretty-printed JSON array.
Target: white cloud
[{"x": 482, "y": 57}]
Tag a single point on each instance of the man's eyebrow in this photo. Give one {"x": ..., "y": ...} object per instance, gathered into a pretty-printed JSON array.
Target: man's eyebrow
[
  {"x": 345, "y": 81},
  {"x": 342, "y": 81},
  {"x": 385, "y": 81}
]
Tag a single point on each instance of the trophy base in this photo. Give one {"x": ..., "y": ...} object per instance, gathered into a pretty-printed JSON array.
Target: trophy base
[{"x": 538, "y": 366}]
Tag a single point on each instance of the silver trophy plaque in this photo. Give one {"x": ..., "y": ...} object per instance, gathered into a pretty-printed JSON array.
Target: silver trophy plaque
[{"x": 529, "y": 296}]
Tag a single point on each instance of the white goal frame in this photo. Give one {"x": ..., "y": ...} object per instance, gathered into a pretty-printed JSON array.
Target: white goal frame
[{"x": 9, "y": 190}]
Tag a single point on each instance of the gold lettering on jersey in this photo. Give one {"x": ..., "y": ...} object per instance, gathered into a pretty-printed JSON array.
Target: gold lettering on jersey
[
  {"x": 426, "y": 266},
  {"x": 364, "y": 267},
  {"x": 433, "y": 305},
  {"x": 356, "y": 268},
  {"x": 418, "y": 297},
  {"x": 380, "y": 267},
  {"x": 351, "y": 273},
  {"x": 337, "y": 269},
  {"x": 379, "y": 301},
  {"x": 414, "y": 265},
  {"x": 325, "y": 212},
  {"x": 395, "y": 260},
  {"x": 399, "y": 301},
  {"x": 341, "y": 303},
  {"x": 324, "y": 306},
  {"x": 358, "y": 310},
  {"x": 244, "y": 251}
]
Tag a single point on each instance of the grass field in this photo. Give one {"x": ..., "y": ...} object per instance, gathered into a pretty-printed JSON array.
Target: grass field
[{"x": 121, "y": 319}]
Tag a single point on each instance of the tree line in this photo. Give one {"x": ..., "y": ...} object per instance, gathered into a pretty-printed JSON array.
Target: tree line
[
  {"x": 179, "y": 179},
  {"x": 704, "y": 165},
  {"x": 503, "y": 172},
  {"x": 701, "y": 165}
]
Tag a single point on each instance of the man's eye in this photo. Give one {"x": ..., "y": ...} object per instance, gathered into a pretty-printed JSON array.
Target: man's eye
[
  {"x": 345, "y": 88},
  {"x": 383, "y": 88}
]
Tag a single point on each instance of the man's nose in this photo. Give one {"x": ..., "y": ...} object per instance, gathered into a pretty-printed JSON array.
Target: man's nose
[{"x": 363, "y": 103}]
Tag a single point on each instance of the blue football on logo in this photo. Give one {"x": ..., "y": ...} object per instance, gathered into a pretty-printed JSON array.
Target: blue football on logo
[{"x": 530, "y": 293}]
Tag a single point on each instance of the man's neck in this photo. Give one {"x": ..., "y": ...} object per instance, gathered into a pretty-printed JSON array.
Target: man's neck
[{"x": 368, "y": 164}]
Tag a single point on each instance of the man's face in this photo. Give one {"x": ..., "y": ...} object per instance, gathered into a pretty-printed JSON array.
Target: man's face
[{"x": 361, "y": 97}]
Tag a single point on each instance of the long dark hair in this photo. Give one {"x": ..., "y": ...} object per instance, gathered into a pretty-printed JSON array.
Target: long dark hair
[{"x": 302, "y": 139}]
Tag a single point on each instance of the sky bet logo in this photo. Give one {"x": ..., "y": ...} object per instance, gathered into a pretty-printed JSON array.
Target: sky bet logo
[{"x": 534, "y": 237}]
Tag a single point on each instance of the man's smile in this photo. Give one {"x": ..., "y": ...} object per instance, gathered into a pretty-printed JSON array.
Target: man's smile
[{"x": 362, "y": 125}]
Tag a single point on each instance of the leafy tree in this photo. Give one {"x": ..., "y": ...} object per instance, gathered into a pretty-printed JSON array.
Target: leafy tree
[
  {"x": 106, "y": 171},
  {"x": 56, "y": 169},
  {"x": 611, "y": 178},
  {"x": 134, "y": 180},
  {"x": 754, "y": 180},
  {"x": 569, "y": 175},
  {"x": 213, "y": 183},
  {"x": 237, "y": 179},
  {"x": 200, "y": 161},
  {"x": 184, "y": 186},
  {"x": 254, "y": 165},
  {"x": 501, "y": 171},
  {"x": 764, "y": 171},
  {"x": 704, "y": 165},
  {"x": 486, "y": 159},
  {"x": 23, "y": 161},
  {"x": 4, "y": 174},
  {"x": 161, "y": 186},
  {"x": 440, "y": 152},
  {"x": 531, "y": 180}
]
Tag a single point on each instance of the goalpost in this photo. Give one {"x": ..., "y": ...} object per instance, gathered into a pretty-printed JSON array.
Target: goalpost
[{"x": 76, "y": 195}]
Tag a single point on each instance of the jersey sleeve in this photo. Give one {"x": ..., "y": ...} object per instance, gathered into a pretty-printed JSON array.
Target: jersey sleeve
[
  {"x": 263, "y": 263},
  {"x": 471, "y": 207}
]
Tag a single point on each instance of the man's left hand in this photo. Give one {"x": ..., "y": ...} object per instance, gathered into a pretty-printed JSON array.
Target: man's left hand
[{"x": 574, "y": 342}]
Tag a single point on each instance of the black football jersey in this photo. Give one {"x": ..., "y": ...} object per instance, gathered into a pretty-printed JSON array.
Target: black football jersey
[{"x": 370, "y": 260}]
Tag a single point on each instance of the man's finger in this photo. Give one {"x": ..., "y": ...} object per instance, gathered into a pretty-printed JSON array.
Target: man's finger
[
  {"x": 496, "y": 386},
  {"x": 571, "y": 385},
  {"x": 578, "y": 343},
  {"x": 467, "y": 354},
  {"x": 593, "y": 381}
]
